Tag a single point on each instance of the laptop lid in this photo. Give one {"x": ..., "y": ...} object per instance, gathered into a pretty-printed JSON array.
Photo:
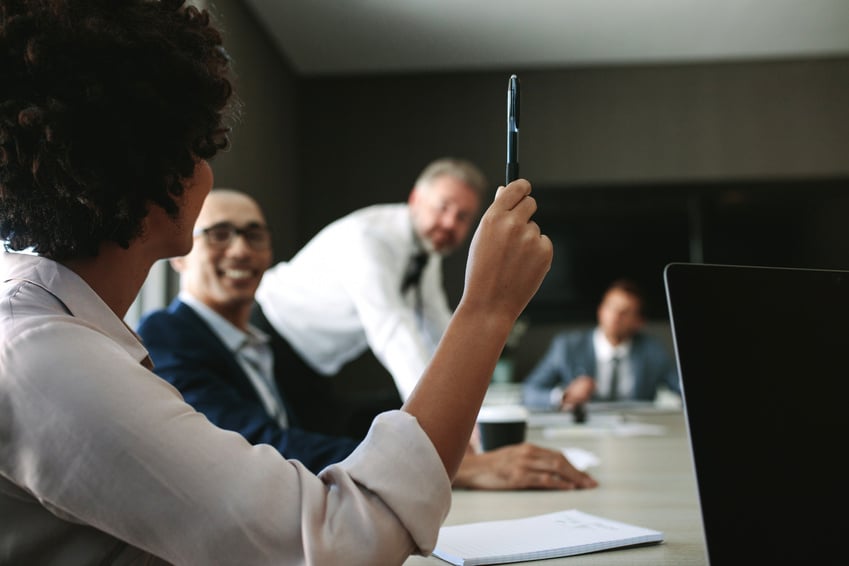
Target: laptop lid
[{"x": 763, "y": 355}]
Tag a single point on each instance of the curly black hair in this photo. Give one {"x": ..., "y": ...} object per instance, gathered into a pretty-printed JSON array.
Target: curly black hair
[{"x": 105, "y": 106}]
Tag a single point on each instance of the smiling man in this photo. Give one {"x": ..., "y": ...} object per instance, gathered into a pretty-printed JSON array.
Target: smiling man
[{"x": 205, "y": 346}]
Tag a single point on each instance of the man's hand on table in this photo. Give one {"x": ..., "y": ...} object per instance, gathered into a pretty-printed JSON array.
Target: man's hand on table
[{"x": 520, "y": 466}]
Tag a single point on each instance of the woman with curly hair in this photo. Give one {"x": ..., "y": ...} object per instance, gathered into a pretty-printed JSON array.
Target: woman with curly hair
[{"x": 109, "y": 111}]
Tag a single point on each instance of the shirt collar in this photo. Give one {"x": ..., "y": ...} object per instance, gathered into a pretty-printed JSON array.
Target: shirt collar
[
  {"x": 75, "y": 295},
  {"x": 234, "y": 338},
  {"x": 604, "y": 350}
]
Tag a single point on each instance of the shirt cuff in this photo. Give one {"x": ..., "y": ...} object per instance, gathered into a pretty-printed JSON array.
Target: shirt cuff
[
  {"x": 398, "y": 462},
  {"x": 555, "y": 398}
]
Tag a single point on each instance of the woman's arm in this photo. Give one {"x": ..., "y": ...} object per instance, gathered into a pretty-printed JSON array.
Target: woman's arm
[{"x": 507, "y": 261}]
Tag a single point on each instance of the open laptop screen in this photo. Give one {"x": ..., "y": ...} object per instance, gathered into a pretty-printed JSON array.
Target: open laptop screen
[{"x": 763, "y": 355}]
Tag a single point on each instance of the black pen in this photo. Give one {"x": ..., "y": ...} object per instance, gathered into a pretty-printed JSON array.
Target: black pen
[{"x": 512, "y": 129}]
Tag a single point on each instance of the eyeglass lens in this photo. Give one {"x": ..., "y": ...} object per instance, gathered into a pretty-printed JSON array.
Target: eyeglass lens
[{"x": 257, "y": 237}]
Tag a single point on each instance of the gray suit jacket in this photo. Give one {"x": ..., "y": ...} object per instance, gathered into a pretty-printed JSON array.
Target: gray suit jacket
[{"x": 572, "y": 354}]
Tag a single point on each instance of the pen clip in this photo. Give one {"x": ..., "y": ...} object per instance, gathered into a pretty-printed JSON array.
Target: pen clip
[
  {"x": 513, "y": 105},
  {"x": 512, "y": 171}
]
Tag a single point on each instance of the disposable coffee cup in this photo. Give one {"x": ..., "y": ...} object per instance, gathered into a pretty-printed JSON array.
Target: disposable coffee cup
[{"x": 502, "y": 425}]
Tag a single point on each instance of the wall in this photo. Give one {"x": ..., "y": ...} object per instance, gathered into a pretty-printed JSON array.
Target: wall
[
  {"x": 262, "y": 160},
  {"x": 313, "y": 149},
  {"x": 363, "y": 139}
]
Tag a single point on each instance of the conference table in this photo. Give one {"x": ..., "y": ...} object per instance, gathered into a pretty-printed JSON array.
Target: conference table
[{"x": 646, "y": 478}]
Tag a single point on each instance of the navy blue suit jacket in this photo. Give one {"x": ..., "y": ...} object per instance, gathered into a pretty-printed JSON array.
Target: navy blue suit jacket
[
  {"x": 188, "y": 354},
  {"x": 572, "y": 354}
]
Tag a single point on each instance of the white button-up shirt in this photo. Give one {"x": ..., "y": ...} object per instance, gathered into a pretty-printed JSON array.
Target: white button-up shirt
[
  {"x": 341, "y": 294},
  {"x": 102, "y": 461},
  {"x": 604, "y": 354}
]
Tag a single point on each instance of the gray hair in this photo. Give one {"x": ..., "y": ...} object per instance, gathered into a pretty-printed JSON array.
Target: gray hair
[{"x": 461, "y": 169}]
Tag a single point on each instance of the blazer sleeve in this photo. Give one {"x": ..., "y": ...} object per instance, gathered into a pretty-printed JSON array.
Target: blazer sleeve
[
  {"x": 570, "y": 355},
  {"x": 187, "y": 354},
  {"x": 669, "y": 370},
  {"x": 550, "y": 372},
  {"x": 655, "y": 368}
]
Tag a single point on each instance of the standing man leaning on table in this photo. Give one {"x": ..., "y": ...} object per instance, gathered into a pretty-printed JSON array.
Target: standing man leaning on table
[
  {"x": 110, "y": 111},
  {"x": 204, "y": 345},
  {"x": 373, "y": 279}
]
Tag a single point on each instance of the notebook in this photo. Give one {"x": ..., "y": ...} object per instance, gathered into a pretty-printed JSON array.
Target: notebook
[
  {"x": 763, "y": 355},
  {"x": 553, "y": 535}
]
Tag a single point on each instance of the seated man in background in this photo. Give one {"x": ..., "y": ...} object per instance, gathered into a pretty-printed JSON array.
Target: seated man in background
[
  {"x": 614, "y": 361},
  {"x": 204, "y": 344}
]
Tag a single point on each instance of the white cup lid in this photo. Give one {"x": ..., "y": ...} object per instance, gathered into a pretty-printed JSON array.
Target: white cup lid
[{"x": 503, "y": 413}]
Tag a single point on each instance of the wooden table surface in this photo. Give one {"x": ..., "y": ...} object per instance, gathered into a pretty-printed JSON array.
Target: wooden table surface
[{"x": 646, "y": 478}]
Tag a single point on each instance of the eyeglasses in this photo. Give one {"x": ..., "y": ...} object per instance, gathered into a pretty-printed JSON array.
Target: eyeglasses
[{"x": 221, "y": 235}]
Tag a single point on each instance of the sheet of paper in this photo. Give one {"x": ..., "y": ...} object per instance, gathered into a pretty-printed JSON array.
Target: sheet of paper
[
  {"x": 562, "y": 426},
  {"x": 580, "y": 458},
  {"x": 564, "y": 533},
  {"x": 623, "y": 429}
]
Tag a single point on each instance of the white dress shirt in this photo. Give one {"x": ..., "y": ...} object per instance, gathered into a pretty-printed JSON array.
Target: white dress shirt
[
  {"x": 102, "y": 461},
  {"x": 604, "y": 354},
  {"x": 341, "y": 294}
]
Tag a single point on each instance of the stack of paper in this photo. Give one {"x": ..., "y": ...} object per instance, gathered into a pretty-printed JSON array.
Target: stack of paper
[{"x": 553, "y": 535}]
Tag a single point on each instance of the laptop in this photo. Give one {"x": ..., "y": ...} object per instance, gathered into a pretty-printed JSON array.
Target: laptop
[{"x": 763, "y": 355}]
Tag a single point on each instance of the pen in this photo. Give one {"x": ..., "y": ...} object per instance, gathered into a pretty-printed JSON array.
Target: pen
[{"x": 512, "y": 129}]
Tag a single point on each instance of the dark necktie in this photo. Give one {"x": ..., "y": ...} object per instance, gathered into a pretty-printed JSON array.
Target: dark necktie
[
  {"x": 614, "y": 378},
  {"x": 414, "y": 271}
]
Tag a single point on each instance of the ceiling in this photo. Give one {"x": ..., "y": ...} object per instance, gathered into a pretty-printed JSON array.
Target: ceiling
[{"x": 330, "y": 37}]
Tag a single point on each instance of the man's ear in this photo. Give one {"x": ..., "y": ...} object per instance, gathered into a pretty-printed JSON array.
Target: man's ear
[
  {"x": 412, "y": 197},
  {"x": 177, "y": 263}
]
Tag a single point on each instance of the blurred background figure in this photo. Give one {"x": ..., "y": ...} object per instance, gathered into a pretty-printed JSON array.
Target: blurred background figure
[
  {"x": 372, "y": 279},
  {"x": 614, "y": 361}
]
